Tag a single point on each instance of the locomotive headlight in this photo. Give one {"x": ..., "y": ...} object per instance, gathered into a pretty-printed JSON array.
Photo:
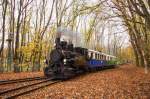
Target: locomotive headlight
[{"x": 65, "y": 60}]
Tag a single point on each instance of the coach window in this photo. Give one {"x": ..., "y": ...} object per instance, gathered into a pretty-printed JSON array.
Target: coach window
[
  {"x": 101, "y": 57},
  {"x": 95, "y": 56},
  {"x": 91, "y": 57},
  {"x": 89, "y": 54}
]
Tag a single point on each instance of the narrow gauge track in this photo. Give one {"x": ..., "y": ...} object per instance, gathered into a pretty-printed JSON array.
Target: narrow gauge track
[
  {"x": 20, "y": 80},
  {"x": 15, "y": 92}
]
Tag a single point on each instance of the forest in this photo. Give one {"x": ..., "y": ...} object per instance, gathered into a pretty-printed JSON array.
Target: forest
[{"x": 28, "y": 29}]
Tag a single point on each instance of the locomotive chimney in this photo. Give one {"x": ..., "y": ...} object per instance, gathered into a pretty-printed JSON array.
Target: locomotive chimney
[{"x": 58, "y": 36}]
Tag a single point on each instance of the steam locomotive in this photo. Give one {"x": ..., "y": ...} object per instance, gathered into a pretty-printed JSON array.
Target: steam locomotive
[{"x": 66, "y": 60}]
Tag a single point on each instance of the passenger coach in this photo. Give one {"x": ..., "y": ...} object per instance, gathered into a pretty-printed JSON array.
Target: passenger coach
[{"x": 99, "y": 59}]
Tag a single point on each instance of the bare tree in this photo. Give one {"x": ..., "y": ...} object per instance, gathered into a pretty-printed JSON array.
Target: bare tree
[
  {"x": 4, "y": 10},
  {"x": 136, "y": 17}
]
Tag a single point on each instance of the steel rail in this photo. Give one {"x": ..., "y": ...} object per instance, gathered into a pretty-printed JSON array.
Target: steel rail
[
  {"x": 28, "y": 91},
  {"x": 4, "y": 93},
  {"x": 20, "y": 80}
]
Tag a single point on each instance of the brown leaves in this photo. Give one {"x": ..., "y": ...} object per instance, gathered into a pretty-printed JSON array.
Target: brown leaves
[
  {"x": 9, "y": 76},
  {"x": 124, "y": 82}
]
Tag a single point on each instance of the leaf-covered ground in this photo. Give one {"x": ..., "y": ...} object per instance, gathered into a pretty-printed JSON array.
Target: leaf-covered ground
[
  {"x": 123, "y": 82},
  {"x": 10, "y": 76}
]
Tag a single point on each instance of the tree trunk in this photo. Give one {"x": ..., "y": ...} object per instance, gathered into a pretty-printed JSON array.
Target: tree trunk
[{"x": 3, "y": 25}]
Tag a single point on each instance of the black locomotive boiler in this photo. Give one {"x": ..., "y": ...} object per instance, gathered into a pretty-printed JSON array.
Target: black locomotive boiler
[{"x": 65, "y": 60}]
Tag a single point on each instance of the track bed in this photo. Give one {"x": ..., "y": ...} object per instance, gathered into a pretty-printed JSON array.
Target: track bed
[{"x": 124, "y": 82}]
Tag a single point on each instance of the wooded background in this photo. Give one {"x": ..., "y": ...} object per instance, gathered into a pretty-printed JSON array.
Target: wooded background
[{"x": 28, "y": 28}]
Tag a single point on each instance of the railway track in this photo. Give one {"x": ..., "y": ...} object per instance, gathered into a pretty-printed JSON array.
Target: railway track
[
  {"x": 15, "y": 92},
  {"x": 3, "y": 82}
]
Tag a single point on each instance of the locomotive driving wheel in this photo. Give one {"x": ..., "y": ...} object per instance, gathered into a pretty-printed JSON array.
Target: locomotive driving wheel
[{"x": 48, "y": 72}]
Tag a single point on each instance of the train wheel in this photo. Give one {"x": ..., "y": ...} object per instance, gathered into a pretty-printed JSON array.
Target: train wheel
[{"x": 47, "y": 72}]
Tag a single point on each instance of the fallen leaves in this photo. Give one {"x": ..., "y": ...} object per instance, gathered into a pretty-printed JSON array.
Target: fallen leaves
[
  {"x": 123, "y": 82},
  {"x": 9, "y": 76}
]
